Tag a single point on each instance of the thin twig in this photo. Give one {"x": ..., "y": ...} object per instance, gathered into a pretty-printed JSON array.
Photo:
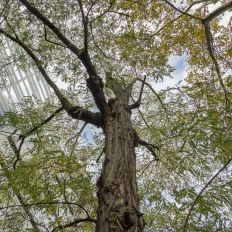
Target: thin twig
[
  {"x": 48, "y": 119},
  {"x": 200, "y": 193},
  {"x": 172, "y": 21},
  {"x": 146, "y": 166},
  {"x": 182, "y": 12},
  {"x": 97, "y": 46},
  {"x": 46, "y": 203},
  {"x": 209, "y": 39},
  {"x": 90, "y": 8},
  {"x": 78, "y": 135},
  {"x": 104, "y": 12},
  {"x": 75, "y": 222},
  {"x": 150, "y": 87},
  {"x": 52, "y": 42}
]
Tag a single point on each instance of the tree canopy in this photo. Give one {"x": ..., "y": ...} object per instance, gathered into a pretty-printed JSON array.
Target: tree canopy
[{"x": 102, "y": 50}]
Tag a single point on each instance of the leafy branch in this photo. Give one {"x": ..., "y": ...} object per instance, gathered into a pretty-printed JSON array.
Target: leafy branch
[
  {"x": 48, "y": 119},
  {"x": 17, "y": 193},
  {"x": 76, "y": 112},
  {"x": 200, "y": 193},
  {"x": 73, "y": 223},
  {"x": 209, "y": 39},
  {"x": 52, "y": 42},
  {"x": 182, "y": 12},
  {"x": 94, "y": 82},
  {"x": 221, "y": 9},
  {"x": 46, "y": 203},
  {"x": 178, "y": 17}
]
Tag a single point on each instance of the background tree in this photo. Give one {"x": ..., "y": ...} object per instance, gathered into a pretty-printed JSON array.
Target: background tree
[{"x": 110, "y": 54}]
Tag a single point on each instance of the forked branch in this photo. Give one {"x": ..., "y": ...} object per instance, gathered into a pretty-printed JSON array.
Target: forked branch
[
  {"x": 76, "y": 112},
  {"x": 46, "y": 38},
  {"x": 223, "y": 8},
  {"x": 151, "y": 147},
  {"x": 94, "y": 82},
  {"x": 138, "y": 102},
  {"x": 182, "y": 12}
]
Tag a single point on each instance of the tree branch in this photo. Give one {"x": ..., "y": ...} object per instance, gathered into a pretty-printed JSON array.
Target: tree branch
[
  {"x": 217, "y": 12},
  {"x": 46, "y": 39},
  {"x": 150, "y": 147},
  {"x": 138, "y": 102},
  {"x": 48, "y": 23},
  {"x": 48, "y": 119},
  {"x": 182, "y": 12},
  {"x": 209, "y": 40},
  {"x": 46, "y": 203},
  {"x": 17, "y": 193},
  {"x": 172, "y": 21},
  {"x": 76, "y": 112},
  {"x": 94, "y": 82},
  {"x": 150, "y": 87},
  {"x": 85, "y": 24},
  {"x": 75, "y": 222},
  {"x": 200, "y": 193},
  {"x": 15, "y": 150}
]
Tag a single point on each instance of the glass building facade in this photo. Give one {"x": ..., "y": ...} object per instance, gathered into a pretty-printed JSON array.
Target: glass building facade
[{"x": 17, "y": 85}]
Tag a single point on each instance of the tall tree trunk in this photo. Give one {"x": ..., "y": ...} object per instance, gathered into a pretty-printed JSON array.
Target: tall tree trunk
[{"x": 118, "y": 208}]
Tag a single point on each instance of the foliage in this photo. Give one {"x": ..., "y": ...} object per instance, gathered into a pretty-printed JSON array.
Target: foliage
[{"x": 190, "y": 124}]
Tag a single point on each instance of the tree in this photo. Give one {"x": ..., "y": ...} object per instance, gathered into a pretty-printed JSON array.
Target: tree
[{"x": 108, "y": 52}]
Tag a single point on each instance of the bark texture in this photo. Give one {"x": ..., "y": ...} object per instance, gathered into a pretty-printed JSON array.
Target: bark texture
[{"x": 118, "y": 208}]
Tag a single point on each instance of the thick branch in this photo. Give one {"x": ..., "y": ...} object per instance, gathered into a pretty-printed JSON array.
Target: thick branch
[
  {"x": 80, "y": 113},
  {"x": 150, "y": 147},
  {"x": 76, "y": 112},
  {"x": 75, "y": 222},
  {"x": 217, "y": 12},
  {"x": 94, "y": 83},
  {"x": 200, "y": 193},
  {"x": 85, "y": 24}
]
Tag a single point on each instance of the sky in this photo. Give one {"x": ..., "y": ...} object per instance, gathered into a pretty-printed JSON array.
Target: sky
[
  {"x": 176, "y": 61},
  {"x": 179, "y": 62}
]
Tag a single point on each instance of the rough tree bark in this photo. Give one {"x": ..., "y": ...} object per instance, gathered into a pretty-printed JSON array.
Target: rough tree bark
[{"x": 118, "y": 208}]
